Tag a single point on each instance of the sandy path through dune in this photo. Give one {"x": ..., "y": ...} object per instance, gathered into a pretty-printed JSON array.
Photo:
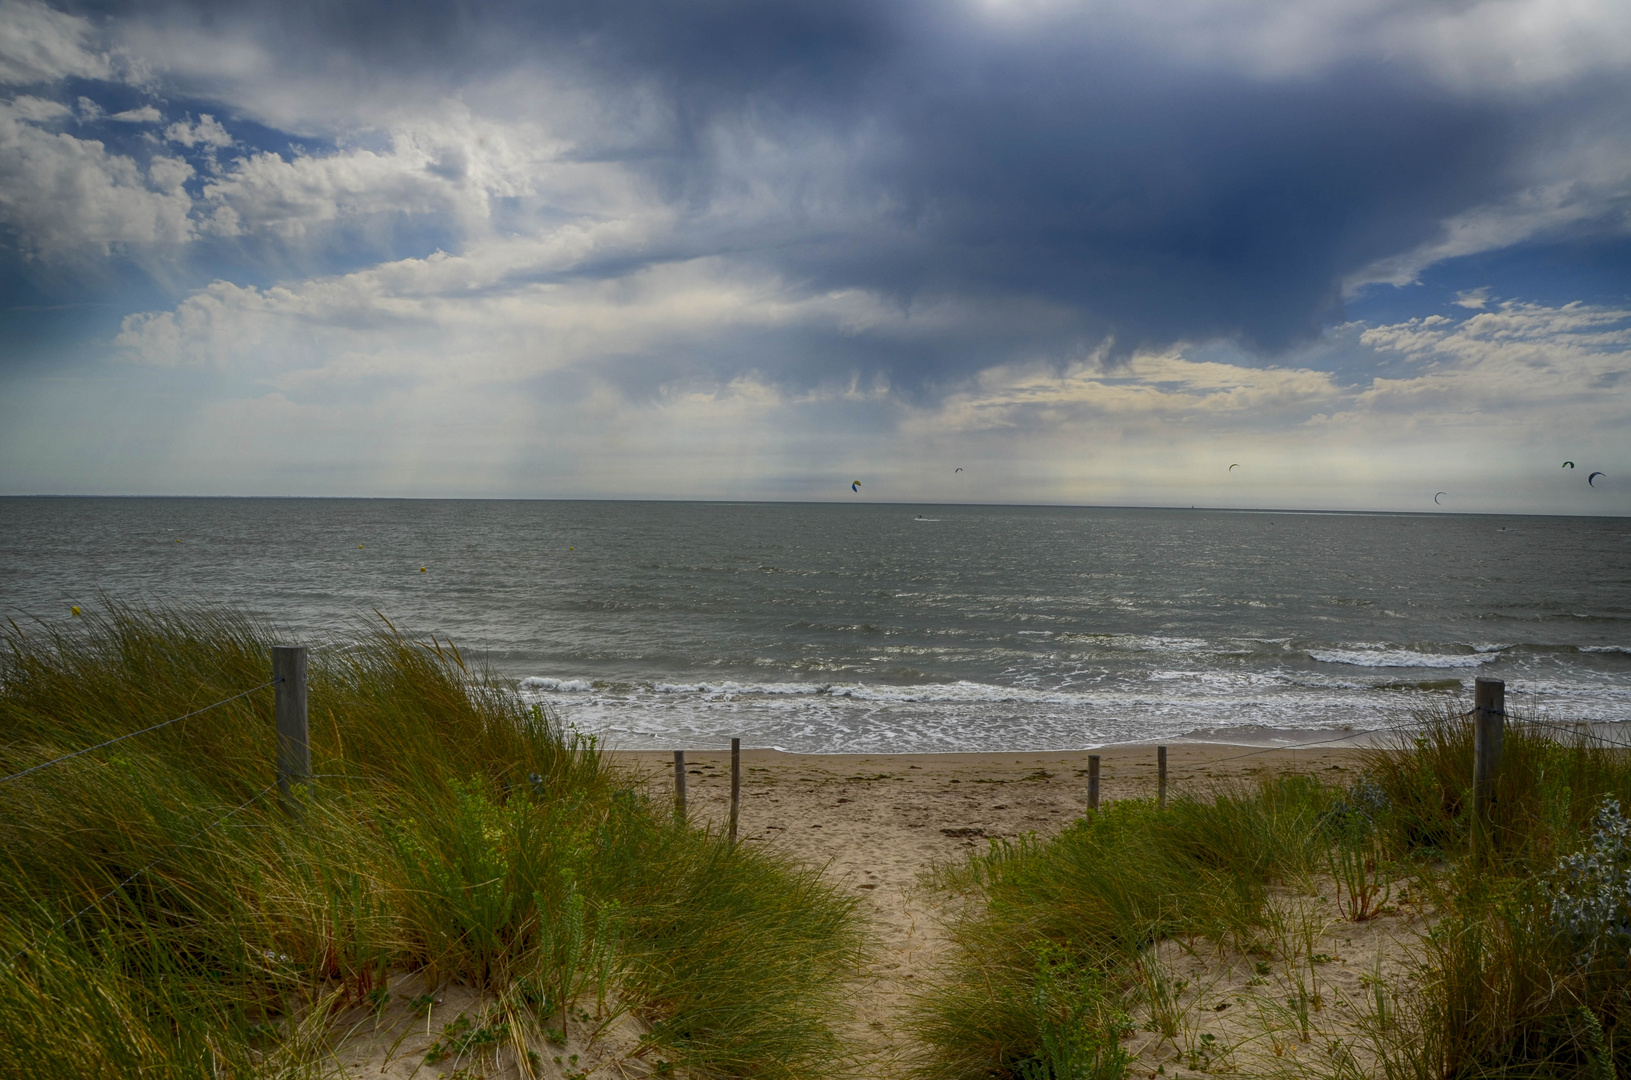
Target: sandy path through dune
[{"x": 876, "y": 822}]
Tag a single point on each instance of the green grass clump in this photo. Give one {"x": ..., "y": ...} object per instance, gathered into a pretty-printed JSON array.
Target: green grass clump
[
  {"x": 450, "y": 831},
  {"x": 1525, "y": 970},
  {"x": 1053, "y": 930},
  {"x": 1514, "y": 986},
  {"x": 1551, "y": 782}
]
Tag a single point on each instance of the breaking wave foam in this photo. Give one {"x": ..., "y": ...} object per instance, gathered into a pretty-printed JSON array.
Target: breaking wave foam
[
  {"x": 1401, "y": 658},
  {"x": 556, "y": 686},
  {"x": 963, "y": 692}
]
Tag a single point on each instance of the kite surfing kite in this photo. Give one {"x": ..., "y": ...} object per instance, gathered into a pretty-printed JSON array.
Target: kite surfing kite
[
  {"x": 1233, "y": 467},
  {"x": 1435, "y": 498},
  {"x": 957, "y": 470},
  {"x": 1568, "y": 464},
  {"x": 856, "y": 486},
  {"x": 1592, "y": 479}
]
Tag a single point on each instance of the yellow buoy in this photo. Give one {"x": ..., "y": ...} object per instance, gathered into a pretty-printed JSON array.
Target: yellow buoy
[
  {"x": 359, "y": 547},
  {"x": 421, "y": 569},
  {"x": 571, "y": 549},
  {"x": 178, "y": 541},
  {"x": 75, "y": 610}
]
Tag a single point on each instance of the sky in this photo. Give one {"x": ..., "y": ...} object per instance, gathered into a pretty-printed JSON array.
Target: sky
[{"x": 1322, "y": 254}]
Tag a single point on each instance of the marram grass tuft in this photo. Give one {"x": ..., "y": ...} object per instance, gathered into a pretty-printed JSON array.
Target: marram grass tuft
[{"x": 449, "y": 830}]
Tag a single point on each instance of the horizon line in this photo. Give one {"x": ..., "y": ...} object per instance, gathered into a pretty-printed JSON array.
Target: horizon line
[{"x": 840, "y": 502}]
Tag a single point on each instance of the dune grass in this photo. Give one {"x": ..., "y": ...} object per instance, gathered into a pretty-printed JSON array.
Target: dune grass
[
  {"x": 1525, "y": 971},
  {"x": 450, "y": 831},
  {"x": 1049, "y": 945},
  {"x": 1529, "y": 962}
]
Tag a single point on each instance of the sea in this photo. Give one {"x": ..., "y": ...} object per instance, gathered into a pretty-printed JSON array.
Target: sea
[{"x": 864, "y": 628}]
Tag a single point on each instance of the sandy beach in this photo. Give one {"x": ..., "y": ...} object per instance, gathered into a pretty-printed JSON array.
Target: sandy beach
[{"x": 876, "y": 822}]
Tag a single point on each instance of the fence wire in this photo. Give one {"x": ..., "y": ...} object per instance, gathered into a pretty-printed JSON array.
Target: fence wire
[
  {"x": 1608, "y": 743},
  {"x": 1298, "y": 746},
  {"x": 1407, "y": 727},
  {"x": 1576, "y": 732},
  {"x": 133, "y": 734}
]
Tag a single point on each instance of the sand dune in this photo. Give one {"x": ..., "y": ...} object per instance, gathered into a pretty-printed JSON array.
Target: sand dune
[{"x": 876, "y": 822}]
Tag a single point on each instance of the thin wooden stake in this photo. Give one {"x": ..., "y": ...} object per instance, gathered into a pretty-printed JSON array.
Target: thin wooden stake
[
  {"x": 679, "y": 784},
  {"x": 1161, "y": 777},
  {"x": 736, "y": 784},
  {"x": 1488, "y": 728},
  {"x": 293, "y": 734},
  {"x": 1092, "y": 781}
]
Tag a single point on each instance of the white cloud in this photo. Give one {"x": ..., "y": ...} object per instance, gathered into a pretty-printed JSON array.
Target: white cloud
[
  {"x": 292, "y": 197},
  {"x": 1517, "y": 372},
  {"x": 1513, "y": 329},
  {"x": 448, "y": 155},
  {"x": 483, "y": 316},
  {"x": 1476, "y": 46},
  {"x": 1487, "y": 404},
  {"x": 1599, "y": 192},
  {"x": 398, "y": 362},
  {"x": 448, "y": 165},
  {"x": 40, "y": 45},
  {"x": 449, "y": 168},
  {"x": 1156, "y": 389},
  {"x": 65, "y": 195},
  {"x": 508, "y": 311},
  {"x": 207, "y": 132},
  {"x": 517, "y": 353},
  {"x": 36, "y": 110},
  {"x": 146, "y": 114}
]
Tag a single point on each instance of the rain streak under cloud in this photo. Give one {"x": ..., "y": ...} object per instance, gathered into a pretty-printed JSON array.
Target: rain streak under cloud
[{"x": 1375, "y": 254}]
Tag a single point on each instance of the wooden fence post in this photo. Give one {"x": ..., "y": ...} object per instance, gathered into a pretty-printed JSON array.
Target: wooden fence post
[
  {"x": 1092, "y": 781},
  {"x": 1161, "y": 777},
  {"x": 293, "y": 732},
  {"x": 1488, "y": 727},
  {"x": 679, "y": 784},
  {"x": 736, "y": 784}
]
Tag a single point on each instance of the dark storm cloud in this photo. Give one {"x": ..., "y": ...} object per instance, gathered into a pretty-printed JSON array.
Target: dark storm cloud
[
  {"x": 1150, "y": 195},
  {"x": 701, "y": 51},
  {"x": 1161, "y": 212}
]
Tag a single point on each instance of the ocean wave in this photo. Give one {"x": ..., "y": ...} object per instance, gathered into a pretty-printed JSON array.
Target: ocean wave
[
  {"x": 556, "y": 686},
  {"x": 824, "y": 723},
  {"x": 1140, "y": 642},
  {"x": 962, "y": 691},
  {"x": 738, "y": 688},
  {"x": 840, "y": 718},
  {"x": 1621, "y": 649},
  {"x": 1400, "y": 658}
]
